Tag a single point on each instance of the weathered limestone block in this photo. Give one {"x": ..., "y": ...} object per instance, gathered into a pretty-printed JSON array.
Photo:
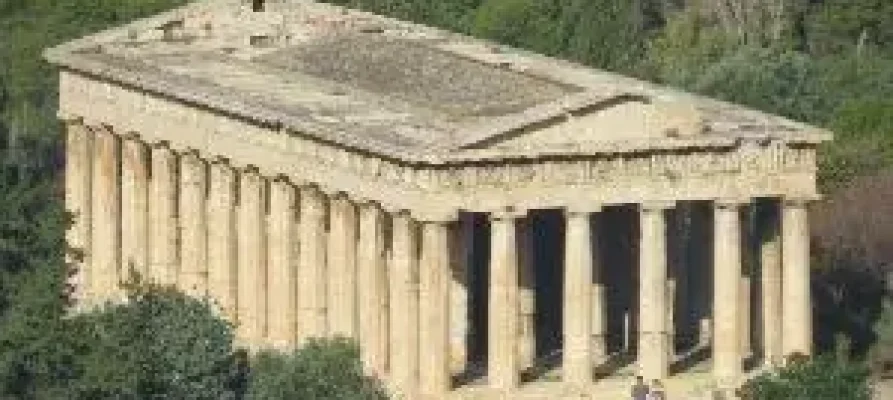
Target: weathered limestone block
[
  {"x": 404, "y": 300},
  {"x": 79, "y": 202},
  {"x": 653, "y": 304},
  {"x": 312, "y": 266},
  {"x": 343, "y": 315},
  {"x": 502, "y": 358},
  {"x": 282, "y": 268},
  {"x": 434, "y": 298},
  {"x": 193, "y": 225},
  {"x": 797, "y": 308},
  {"x": 163, "y": 218},
  {"x": 578, "y": 298},
  {"x": 373, "y": 289},
  {"x": 135, "y": 206},
  {"x": 252, "y": 238},
  {"x": 222, "y": 243},
  {"x": 727, "y": 356},
  {"x": 106, "y": 237}
]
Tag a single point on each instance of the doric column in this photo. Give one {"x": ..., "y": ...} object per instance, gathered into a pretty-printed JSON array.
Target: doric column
[
  {"x": 653, "y": 304},
  {"x": 599, "y": 308},
  {"x": 770, "y": 282},
  {"x": 312, "y": 265},
  {"x": 79, "y": 202},
  {"x": 502, "y": 313},
  {"x": 404, "y": 301},
  {"x": 797, "y": 308},
  {"x": 527, "y": 295},
  {"x": 342, "y": 266},
  {"x": 373, "y": 292},
  {"x": 727, "y": 356},
  {"x": 135, "y": 206},
  {"x": 578, "y": 298},
  {"x": 434, "y": 300},
  {"x": 222, "y": 243},
  {"x": 163, "y": 221},
  {"x": 282, "y": 265},
  {"x": 193, "y": 225},
  {"x": 252, "y": 237},
  {"x": 106, "y": 234}
]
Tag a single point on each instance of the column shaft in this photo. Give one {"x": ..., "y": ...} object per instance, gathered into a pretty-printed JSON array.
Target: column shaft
[
  {"x": 312, "y": 266},
  {"x": 222, "y": 243},
  {"x": 193, "y": 222},
  {"x": 727, "y": 357},
  {"x": 79, "y": 202},
  {"x": 434, "y": 298},
  {"x": 599, "y": 308},
  {"x": 107, "y": 223},
  {"x": 282, "y": 267},
  {"x": 252, "y": 237},
  {"x": 342, "y": 264},
  {"x": 502, "y": 361},
  {"x": 578, "y": 299},
  {"x": 797, "y": 311},
  {"x": 653, "y": 304},
  {"x": 163, "y": 221},
  {"x": 135, "y": 207},
  {"x": 404, "y": 300},
  {"x": 770, "y": 283},
  {"x": 372, "y": 272}
]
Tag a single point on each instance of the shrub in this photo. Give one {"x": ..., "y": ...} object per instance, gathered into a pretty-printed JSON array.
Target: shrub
[
  {"x": 160, "y": 344},
  {"x": 822, "y": 378},
  {"x": 323, "y": 369}
]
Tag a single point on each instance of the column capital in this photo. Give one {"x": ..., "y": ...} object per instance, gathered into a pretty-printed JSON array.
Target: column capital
[
  {"x": 657, "y": 205},
  {"x": 68, "y": 118},
  {"x": 800, "y": 201},
  {"x": 731, "y": 202},
  {"x": 131, "y": 136},
  {"x": 435, "y": 216},
  {"x": 508, "y": 213},
  {"x": 161, "y": 144},
  {"x": 583, "y": 208},
  {"x": 249, "y": 170}
]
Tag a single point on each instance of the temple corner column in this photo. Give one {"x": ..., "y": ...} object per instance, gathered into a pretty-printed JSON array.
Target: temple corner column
[
  {"x": 78, "y": 202},
  {"x": 796, "y": 303}
]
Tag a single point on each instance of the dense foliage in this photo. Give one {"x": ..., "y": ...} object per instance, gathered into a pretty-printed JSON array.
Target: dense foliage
[
  {"x": 823, "y": 378},
  {"x": 320, "y": 370}
]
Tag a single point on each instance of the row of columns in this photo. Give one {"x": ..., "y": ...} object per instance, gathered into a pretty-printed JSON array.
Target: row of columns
[{"x": 289, "y": 263}]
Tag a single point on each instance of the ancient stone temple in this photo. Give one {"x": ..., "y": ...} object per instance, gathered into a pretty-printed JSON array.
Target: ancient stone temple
[{"x": 485, "y": 222}]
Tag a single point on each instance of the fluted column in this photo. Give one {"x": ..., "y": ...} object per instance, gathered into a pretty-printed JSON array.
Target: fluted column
[
  {"x": 599, "y": 308},
  {"x": 312, "y": 265},
  {"x": 578, "y": 298},
  {"x": 797, "y": 308},
  {"x": 193, "y": 222},
  {"x": 222, "y": 242},
  {"x": 727, "y": 356},
  {"x": 770, "y": 282},
  {"x": 107, "y": 222},
  {"x": 373, "y": 299},
  {"x": 252, "y": 237},
  {"x": 404, "y": 301},
  {"x": 282, "y": 265},
  {"x": 79, "y": 202},
  {"x": 434, "y": 300},
  {"x": 342, "y": 265},
  {"x": 135, "y": 207},
  {"x": 653, "y": 304},
  {"x": 163, "y": 222},
  {"x": 527, "y": 295},
  {"x": 502, "y": 361}
]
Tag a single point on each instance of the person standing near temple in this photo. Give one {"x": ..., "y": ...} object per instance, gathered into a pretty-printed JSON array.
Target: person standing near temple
[
  {"x": 640, "y": 389},
  {"x": 657, "y": 391}
]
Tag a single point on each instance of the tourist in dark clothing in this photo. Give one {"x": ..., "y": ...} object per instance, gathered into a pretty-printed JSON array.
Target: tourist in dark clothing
[{"x": 640, "y": 389}]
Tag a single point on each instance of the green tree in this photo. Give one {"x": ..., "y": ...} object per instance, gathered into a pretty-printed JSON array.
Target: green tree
[
  {"x": 817, "y": 379},
  {"x": 323, "y": 369}
]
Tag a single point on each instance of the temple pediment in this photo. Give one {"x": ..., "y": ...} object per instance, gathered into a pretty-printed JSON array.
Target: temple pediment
[{"x": 612, "y": 119}]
